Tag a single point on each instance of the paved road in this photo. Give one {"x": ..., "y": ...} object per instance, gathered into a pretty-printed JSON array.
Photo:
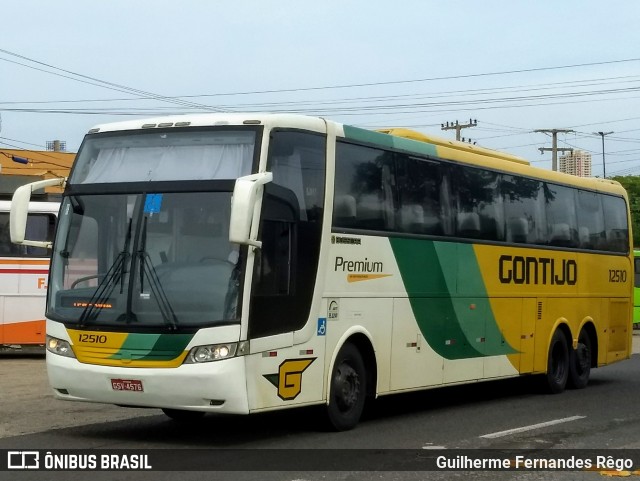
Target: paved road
[
  {"x": 25, "y": 389},
  {"x": 28, "y": 406},
  {"x": 453, "y": 418}
]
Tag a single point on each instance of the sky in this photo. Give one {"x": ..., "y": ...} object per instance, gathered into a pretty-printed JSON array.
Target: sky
[{"x": 513, "y": 67}]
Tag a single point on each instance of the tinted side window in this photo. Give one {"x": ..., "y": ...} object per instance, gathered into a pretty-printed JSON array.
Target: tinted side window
[
  {"x": 40, "y": 227},
  {"x": 615, "y": 222},
  {"x": 297, "y": 160},
  {"x": 561, "y": 216},
  {"x": 524, "y": 210},
  {"x": 363, "y": 188},
  {"x": 479, "y": 213},
  {"x": 423, "y": 200},
  {"x": 591, "y": 233}
]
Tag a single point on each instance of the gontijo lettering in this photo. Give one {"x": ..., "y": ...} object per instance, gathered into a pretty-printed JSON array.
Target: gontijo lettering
[{"x": 537, "y": 270}]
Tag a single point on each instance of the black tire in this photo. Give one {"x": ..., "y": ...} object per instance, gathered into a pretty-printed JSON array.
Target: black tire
[
  {"x": 557, "y": 363},
  {"x": 580, "y": 362},
  {"x": 183, "y": 416},
  {"x": 348, "y": 389}
]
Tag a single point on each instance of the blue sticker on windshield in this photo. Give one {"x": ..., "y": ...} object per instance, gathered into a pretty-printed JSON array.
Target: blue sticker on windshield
[{"x": 152, "y": 203}]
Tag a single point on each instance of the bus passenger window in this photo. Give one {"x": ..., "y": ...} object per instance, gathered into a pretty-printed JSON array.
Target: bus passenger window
[
  {"x": 419, "y": 193},
  {"x": 524, "y": 210},
  {"x": 591, "y": 233},
  {"x": 561, "y": 216},
  {"x": 480, "y": 208},
  {"x": 40, "y": 227},
  {"x": 366, "y": 175},
  {"x": 615, "y": 221}
]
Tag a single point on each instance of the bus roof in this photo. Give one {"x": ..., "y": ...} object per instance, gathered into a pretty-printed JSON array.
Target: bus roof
[
  {"x": 215, "y": 119},
  {"x": 406, "y": 139},
  {"x": 453, "y": 144}
]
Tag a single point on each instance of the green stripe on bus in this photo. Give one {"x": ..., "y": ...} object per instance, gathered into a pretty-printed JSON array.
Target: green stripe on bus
[
  {"x": 389, "y": 141},
  {"x": 152, "y": 347},
  {"x": 456, "y": 319},
  {"x": 169, "y": 346}
]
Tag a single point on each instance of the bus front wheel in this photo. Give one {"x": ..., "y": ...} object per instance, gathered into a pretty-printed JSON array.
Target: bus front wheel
[
  {"x": 348, "y": 389},
  {"x": 580, "y": 362},
  {"x": 557, "y": 363}
]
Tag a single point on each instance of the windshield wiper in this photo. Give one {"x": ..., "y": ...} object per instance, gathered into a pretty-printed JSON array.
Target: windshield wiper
[
  {"x": 114, "y": 275},
  {"x": 146, "y": 267}
]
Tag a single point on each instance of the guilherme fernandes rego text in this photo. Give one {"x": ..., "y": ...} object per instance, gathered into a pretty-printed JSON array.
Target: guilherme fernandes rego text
[{"x": 462, "y": 462}]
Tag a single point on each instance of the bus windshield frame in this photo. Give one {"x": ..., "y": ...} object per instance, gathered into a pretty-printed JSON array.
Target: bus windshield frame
[{"x": 143, "y": 234}]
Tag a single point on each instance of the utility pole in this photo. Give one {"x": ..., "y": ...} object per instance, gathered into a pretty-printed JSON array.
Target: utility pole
[
  {"x": 554, "y": 145},
  {"x": 458, "y": 126},
  {"x": 604, "y": 169}
]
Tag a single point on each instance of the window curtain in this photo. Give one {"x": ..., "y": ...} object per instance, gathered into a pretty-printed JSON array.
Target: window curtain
[{"x": 145, "y": 164}]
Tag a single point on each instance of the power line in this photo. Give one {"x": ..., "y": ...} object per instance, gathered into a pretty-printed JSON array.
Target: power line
[
  {"x": 101, "y": 83},
  {"x": 21, "y": 142},
  {"x": 431, "y": 79},
  {"x": 348, "y": 111},
  {"x": 466, "y": 92}
]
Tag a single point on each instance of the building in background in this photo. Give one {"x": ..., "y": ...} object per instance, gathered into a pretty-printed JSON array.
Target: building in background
[
  {"x": 578, "y": 162},
  {"x": 19, "y": 167}
]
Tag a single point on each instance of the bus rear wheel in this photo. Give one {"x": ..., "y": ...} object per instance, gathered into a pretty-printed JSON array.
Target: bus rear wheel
[
  {"x": 557, "y": 363},
  {"x": 348, "y": 389},
  {"x": 580, "y": 362},
  {"x": 182, "y": 415}
]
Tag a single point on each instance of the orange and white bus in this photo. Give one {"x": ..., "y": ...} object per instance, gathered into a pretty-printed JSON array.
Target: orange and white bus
[{"x": 24, "y": 272}]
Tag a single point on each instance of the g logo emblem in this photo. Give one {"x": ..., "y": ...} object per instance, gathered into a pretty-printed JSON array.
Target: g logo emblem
[{"x": 289, "y": 377}]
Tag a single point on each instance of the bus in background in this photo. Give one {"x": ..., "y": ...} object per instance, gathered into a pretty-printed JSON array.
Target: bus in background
[
  {"x": 24, "y": 272},
  {"x": 636, "y": 290},
  {"x": 241, "y": 263}
]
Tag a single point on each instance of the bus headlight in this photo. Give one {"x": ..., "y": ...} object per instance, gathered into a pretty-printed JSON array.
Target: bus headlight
[
  {"x": 60, "y": 347},
  {"x": 212, "y": 352}
]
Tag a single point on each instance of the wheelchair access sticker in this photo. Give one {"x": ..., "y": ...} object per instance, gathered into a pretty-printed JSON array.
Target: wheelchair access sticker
[{"x": 322, "y": 326}]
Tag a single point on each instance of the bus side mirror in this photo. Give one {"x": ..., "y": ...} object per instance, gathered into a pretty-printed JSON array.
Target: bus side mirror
[
  {"x": 20, "y": 210},
  {"x": 243, "y": 207}
]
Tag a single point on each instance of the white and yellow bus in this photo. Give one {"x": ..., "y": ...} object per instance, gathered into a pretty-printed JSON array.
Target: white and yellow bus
[
  {"x": 249, "y": 262},
  {"x": 23, "y": 277}
]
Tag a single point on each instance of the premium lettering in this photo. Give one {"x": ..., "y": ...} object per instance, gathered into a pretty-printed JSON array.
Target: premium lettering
[
  {"x": 537, "y": 270},
  {"x": 365, "y": 265}
]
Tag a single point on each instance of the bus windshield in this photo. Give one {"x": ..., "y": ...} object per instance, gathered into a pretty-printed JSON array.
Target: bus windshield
[
  {"x": 141, "y": 240},
  {"x": 146, "y": 260}
]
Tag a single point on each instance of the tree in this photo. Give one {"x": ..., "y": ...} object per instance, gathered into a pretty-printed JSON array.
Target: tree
[{"x": 632, "y": 185}]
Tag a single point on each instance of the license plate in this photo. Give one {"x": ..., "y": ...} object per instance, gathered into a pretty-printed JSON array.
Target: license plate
[{"x": 126, "y": 385}]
